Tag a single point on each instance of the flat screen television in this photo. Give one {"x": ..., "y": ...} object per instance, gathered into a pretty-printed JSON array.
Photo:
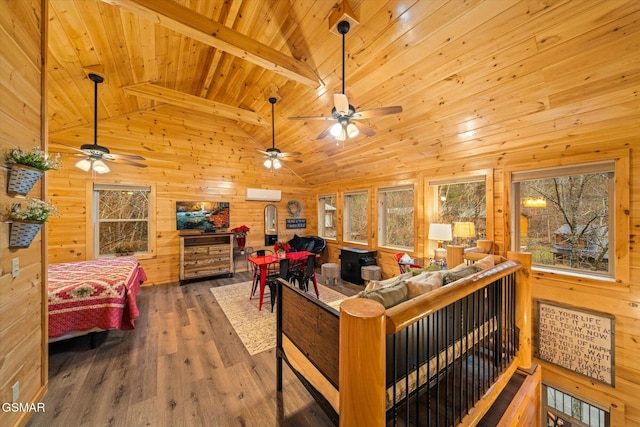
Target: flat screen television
[{"x": 205, "y": 216}]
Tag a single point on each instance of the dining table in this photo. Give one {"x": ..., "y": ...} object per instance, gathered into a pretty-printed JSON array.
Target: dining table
[{"x": 262, "y": 264}]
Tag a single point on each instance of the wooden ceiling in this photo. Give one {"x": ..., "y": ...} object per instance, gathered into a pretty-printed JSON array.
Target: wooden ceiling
[{"x": 475, "y": 78}]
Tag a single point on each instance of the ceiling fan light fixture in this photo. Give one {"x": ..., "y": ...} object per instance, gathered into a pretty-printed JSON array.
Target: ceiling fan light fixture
[
  {"x": 100, "y": 167},
  {"x": 336, "y": 129},
  {"x": 352, "y": 130},
  {"x": 267, "y": 163},
  {"x": 276, "y": 164},
  {"x": 84, "y": 165}
]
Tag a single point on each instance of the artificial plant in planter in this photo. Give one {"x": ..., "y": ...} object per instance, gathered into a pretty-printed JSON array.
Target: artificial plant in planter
[
  {"x": 241, "y": 236},
  {"x": 26, "y": 168},
  {"x": 124, "y": 249},
  {"x": 25, "y": 223}
]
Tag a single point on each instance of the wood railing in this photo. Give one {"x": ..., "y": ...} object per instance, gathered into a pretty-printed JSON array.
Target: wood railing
[{"x": 365, "y": 328}]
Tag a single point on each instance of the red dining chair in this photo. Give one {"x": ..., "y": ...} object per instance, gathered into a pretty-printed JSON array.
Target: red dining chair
[{"x": 271, "y": 270}]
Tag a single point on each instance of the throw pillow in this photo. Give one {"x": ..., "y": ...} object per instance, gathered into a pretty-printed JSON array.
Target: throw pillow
[
  {"x": 388, "y": 296},
  {"x": 486, "y": 263},
  {"x": 376, "y": 284},
  {"x": 431, "y": 267},
  {"x": 427, "y": 284},
  {"x": 451, "y": 275}
]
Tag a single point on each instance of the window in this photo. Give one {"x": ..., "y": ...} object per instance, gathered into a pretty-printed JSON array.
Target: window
[
  {"x": 327, "y": 216},
  {"x": 562, "y": 409},
  {"x": 395, "y": 217},
  {"x": 355, "y": 217},
  {"x": 121, "y": 216},
  {"x": 563, "y": 216},
  {"x": 464, "y": 206}
]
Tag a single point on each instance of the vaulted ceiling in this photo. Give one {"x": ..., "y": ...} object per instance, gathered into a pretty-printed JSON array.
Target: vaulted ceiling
[{"x": 475, "y": 78}]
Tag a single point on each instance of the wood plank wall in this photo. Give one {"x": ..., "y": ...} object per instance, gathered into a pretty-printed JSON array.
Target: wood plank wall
[
  {"x": 621, "y": 299},
  {"x": 190, "y": 157},
  {"x": 22, "y": 299},
  {"x": 195, "y": 157}
]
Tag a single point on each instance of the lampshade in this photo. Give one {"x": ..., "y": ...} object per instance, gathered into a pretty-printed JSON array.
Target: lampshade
[
  {"x": 100, "y": 167},
  {"x": 440, "y": 232},
  {"x": 464, "y": 230},
  {"x": 352, "y": 130},
  {"x": 84, "y": 164},
  {"x": 336, "y": 129}
]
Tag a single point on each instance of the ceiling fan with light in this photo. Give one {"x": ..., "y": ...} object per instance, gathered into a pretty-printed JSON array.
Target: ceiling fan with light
[
  {"x": 345, "y": 114},
  {"x": 273, "y": 155},
  {"x": 95, "y": 154}
]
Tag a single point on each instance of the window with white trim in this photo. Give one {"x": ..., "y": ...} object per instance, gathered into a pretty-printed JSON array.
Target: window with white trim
[
  {"x": 121, "y": 218},
  {"x": 396, "y": 217},
  {"x": 563, "y": 410},
  {"x": 563, "y": 216},
  {"x": 327, "y": 216},
  {"x": 356, "y": 217}
]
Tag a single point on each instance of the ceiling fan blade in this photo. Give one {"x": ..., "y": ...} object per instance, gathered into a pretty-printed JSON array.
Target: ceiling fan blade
[
  {"x": 312, "y": 118},
  {"x": 292, "y": 160},
  {"x": 266, "y": 153},
  {"x": 290, "y": 153},
  {"x": 366, "y": 129},
  {"x": 377, "y": 112},
  {"x": 341, "y": 103},
  {"x": 324, "y": 133},
  {"x": 126, "y": 162},
  {"x": 66, "y": 146},
  {"x": 126, "y": 156}
]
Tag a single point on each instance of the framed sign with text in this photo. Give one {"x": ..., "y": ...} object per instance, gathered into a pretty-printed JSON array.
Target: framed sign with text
[
  {"x": 576, "y": 339},
  {"x": 295, "y": 223}
]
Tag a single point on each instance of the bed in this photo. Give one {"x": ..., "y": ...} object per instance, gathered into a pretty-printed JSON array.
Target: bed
[
  {"x": 397, "y": 378},
  {"x": 91, "y": 296}
]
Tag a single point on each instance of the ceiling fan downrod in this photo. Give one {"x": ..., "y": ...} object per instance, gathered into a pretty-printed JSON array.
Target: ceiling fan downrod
[
  {"x": 97, "y": 80},
  {"x": 343, "y": 28}
]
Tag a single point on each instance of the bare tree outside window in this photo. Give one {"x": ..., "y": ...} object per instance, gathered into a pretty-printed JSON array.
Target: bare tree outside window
[
  {"x": 564, "y": 220},
  {"x": 355, "y": 217},
  {"x": 396, "y": 217},
  {"x": 123, "y": 220},
  {"x": 464, "y": 202}
]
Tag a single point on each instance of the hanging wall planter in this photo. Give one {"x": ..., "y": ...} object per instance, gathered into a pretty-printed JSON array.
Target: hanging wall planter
[
  {"x": 23, "y": 232},
  {"x": 22, "y": 179}
]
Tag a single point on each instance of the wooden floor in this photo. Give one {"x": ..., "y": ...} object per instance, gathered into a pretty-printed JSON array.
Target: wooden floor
[{"x": 183, "y": 365}]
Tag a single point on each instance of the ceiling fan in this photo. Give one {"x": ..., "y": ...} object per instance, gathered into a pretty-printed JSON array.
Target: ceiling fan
[
  {"x": 345, "y": 114},
  {"x": 273, "y": 155},
  {"x": 96, "y": 153}
]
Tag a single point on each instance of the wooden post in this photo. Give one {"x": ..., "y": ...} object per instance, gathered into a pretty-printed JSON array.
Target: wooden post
[
  {"x": 523, "y": 307},
  {"x": 454, "y": 255},
  {"x": 362, "y": 363}
]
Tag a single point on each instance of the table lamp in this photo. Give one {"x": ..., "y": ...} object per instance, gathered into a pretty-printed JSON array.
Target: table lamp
[
  {"x": 440, "y": 233},
  {"x": 464, "y": 231}
]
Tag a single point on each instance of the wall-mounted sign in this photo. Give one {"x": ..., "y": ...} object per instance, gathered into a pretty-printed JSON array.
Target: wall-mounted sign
[
  {"x": 296, "y": 223},
  {"x": 579, "y": 340}
]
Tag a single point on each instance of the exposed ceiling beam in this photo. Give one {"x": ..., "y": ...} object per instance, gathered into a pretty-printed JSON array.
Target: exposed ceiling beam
[
  {"x": 184, "y": 100},
  {"x": 183, "y": 20}
]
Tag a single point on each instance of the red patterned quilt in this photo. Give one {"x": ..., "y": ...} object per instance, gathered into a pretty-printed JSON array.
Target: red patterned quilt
[{"x": 94, "y": 294}]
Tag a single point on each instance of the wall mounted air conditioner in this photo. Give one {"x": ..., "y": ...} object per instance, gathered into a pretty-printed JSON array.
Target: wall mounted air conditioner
[{"x": 263, "y": 195}]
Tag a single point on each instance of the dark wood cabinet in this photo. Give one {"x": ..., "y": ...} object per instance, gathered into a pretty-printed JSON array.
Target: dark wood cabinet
[{"x": 351, "y": 260}]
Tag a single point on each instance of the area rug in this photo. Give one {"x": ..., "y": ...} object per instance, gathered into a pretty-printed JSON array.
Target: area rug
[{"x": 257, "y": 329}]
